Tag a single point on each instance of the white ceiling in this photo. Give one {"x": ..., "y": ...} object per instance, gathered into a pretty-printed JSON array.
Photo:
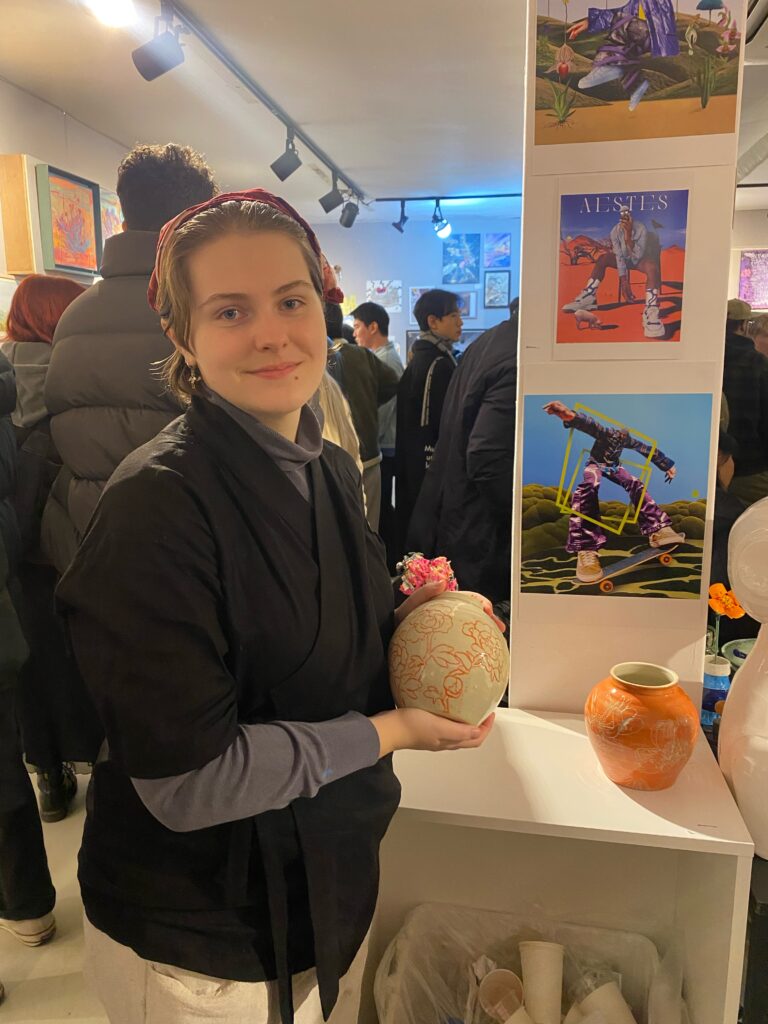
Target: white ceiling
[
  {"x": 754, "y": 125},
  {"x": 408, "y": 97}
]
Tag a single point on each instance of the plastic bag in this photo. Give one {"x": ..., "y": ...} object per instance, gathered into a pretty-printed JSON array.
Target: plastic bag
[{"x": 427, "y": 974}]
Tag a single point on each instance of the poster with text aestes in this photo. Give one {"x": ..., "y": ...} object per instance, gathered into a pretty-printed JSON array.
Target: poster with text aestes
[
  {"x": 621, "y": 267},
  {"x": 645, "y": 69}
]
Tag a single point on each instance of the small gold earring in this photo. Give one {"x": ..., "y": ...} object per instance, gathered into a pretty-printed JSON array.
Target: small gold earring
[{"x": 194, "y": 377}]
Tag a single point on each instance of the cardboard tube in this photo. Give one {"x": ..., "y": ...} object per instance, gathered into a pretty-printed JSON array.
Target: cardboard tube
[{"x": 543, "y": 980}]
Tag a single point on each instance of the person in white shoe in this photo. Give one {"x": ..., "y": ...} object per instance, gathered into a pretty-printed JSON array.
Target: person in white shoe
[
  {"x": 586, "y": 535},
  {"x": 633, "y": 247},
  {"x": 27, "y": 895}
]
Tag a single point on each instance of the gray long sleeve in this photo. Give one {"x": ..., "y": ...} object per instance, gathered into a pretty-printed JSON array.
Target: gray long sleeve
[{"x": 265, "y": 768}]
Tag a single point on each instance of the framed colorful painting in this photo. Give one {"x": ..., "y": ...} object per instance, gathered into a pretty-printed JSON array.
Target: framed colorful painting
[
  {"x": 388, "y": 294},
  {"x": 414, "y": 294},
  {"x": 497, "y": 250},
  {"x": 496, "y": 289},
  {"x": 70, "y": 220},
  {"x": 753, "y": 277},
  {"x": 467, "y": 304},
  {"x": 111, "y": 214},
  {"x": 461, "y": 259}
]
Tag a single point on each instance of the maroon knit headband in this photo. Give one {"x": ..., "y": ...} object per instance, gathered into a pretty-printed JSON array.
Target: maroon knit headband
[{"x": 331, "y": 290}]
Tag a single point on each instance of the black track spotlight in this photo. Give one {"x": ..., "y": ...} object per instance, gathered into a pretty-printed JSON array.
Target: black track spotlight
[
  {"x": 399, "y": 225},
  {"x": 349, "y": 214},
  {"x": 161, "y": 54},
  {"x": 333, "y": 198},
  {"x": 289, "y": 162}
]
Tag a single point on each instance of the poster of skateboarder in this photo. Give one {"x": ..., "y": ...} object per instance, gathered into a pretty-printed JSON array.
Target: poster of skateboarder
[
  {"x": 614, "y": 494},
  {"x": 621, "y": 267},
  {"x": 644, "y": 69}
]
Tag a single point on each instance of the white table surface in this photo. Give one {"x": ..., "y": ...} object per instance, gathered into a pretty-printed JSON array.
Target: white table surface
[{"x": 537, "y": 773}]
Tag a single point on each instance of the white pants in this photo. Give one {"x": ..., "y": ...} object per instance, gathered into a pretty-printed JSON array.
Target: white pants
[{"x": 136, "y": 991}]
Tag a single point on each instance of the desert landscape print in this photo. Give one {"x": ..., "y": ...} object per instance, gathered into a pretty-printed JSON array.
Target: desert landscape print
[
  {"x": 621, "y": 266},
  {"x": 647, "y": 69}
]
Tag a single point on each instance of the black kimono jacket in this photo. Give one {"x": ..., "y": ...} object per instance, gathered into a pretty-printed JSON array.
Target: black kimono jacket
[{"x": 206, "y": 593}]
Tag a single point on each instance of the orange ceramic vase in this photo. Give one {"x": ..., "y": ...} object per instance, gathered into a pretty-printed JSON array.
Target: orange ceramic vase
[{"x": 642, "y": 725}]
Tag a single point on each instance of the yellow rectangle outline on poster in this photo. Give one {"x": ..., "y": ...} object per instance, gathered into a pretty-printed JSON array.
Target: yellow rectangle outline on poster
[{"x": 644, "y": 476}]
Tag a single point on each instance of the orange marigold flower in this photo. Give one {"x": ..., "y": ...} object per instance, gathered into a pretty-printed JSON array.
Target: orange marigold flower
[{"x": 724, "y": 602}]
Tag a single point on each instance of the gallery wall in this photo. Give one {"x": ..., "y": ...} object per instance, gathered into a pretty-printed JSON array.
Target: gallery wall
[
  {"x": 375, "y": 251},
  {"x": 635, "y": 370},
  {"x": 29, "y": 125}
]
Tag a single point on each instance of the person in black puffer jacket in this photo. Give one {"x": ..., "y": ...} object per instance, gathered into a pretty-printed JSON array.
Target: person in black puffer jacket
[{"x": 27, "y": 895}]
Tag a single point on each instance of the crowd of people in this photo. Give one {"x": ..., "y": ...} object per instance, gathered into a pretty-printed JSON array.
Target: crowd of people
[{"x": 207, "y": 482}]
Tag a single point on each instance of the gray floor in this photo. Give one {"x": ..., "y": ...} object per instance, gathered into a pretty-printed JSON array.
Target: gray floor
[{"x": 46, "y": 984}]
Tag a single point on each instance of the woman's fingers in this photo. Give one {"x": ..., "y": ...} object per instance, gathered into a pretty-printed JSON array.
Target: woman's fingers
[
  {"x": 488, "y": 609},
  {"x": 419, "y": 597},
  {"x": 465, "y": 737}
]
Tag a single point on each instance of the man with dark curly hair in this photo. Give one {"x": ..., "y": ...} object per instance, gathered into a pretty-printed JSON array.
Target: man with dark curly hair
[{"x": 102, "y": 388}]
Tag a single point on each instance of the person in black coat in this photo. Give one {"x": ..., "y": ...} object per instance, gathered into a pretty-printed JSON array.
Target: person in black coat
[
  {"x": 745, "y": 385},
  {"x": 464, "y": 510},
  {"x": 420, "y": 397},
  {"x": 367, "y": 384},
  {"x": 230, "y": 611},
  {"x": 728, "y": 510},
  {"x": 27, "y": 895}
]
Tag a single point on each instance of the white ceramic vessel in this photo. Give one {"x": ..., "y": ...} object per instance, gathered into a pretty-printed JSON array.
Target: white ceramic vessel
[
  {"x": 743, "y": 742},
  {"x": 450, "y": 658}
]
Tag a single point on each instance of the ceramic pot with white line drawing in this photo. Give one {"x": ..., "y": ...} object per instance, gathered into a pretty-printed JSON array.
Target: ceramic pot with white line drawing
[{"x": 642, "y": 725}]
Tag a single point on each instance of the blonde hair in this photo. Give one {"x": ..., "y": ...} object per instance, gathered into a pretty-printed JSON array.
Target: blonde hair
[
  {"x": 338, "y": 426},
  {"x": 174, "y": 292}
]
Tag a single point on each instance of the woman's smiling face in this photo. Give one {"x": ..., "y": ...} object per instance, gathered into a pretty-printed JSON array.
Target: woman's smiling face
[{"x": 257, "y": 328}]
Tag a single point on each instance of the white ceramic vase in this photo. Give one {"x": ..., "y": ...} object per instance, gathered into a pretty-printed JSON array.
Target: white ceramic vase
[
  {"x": 450, "y": 658},
  {"x": 743, "y": 742}
]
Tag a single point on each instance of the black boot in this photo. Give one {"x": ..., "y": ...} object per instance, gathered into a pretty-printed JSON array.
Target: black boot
[{"x": 57, "y": 790}]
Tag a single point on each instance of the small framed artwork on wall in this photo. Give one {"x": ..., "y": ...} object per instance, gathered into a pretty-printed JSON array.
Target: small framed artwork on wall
[
  {"x": 467, "y": 304},
  {"x": 414, "y": 294},
  {"x": 497, "y": 289},
  {"x": 70, "y": 221}
]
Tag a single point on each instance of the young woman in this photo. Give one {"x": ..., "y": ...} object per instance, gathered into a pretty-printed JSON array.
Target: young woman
[
  {"x": 230, "y": 611},
  {"x": 58, "y": 722}
]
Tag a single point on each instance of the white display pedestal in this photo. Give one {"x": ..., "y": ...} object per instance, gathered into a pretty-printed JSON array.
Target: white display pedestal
[{"x": 530, "y": 821}]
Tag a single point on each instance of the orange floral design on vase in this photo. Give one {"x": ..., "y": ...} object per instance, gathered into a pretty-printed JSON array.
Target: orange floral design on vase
[
  {"x": 450, "y": 658},
  {"x": 642, "y": 726}
]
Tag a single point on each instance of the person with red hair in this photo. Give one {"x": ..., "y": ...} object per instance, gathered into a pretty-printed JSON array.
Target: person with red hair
[
  {"x": 57, "y": 724},
  {"x": 36, "y": 308}
]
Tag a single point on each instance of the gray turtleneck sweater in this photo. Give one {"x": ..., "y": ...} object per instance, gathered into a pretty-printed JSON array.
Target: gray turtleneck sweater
[{"x": 267, "y": 766}]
